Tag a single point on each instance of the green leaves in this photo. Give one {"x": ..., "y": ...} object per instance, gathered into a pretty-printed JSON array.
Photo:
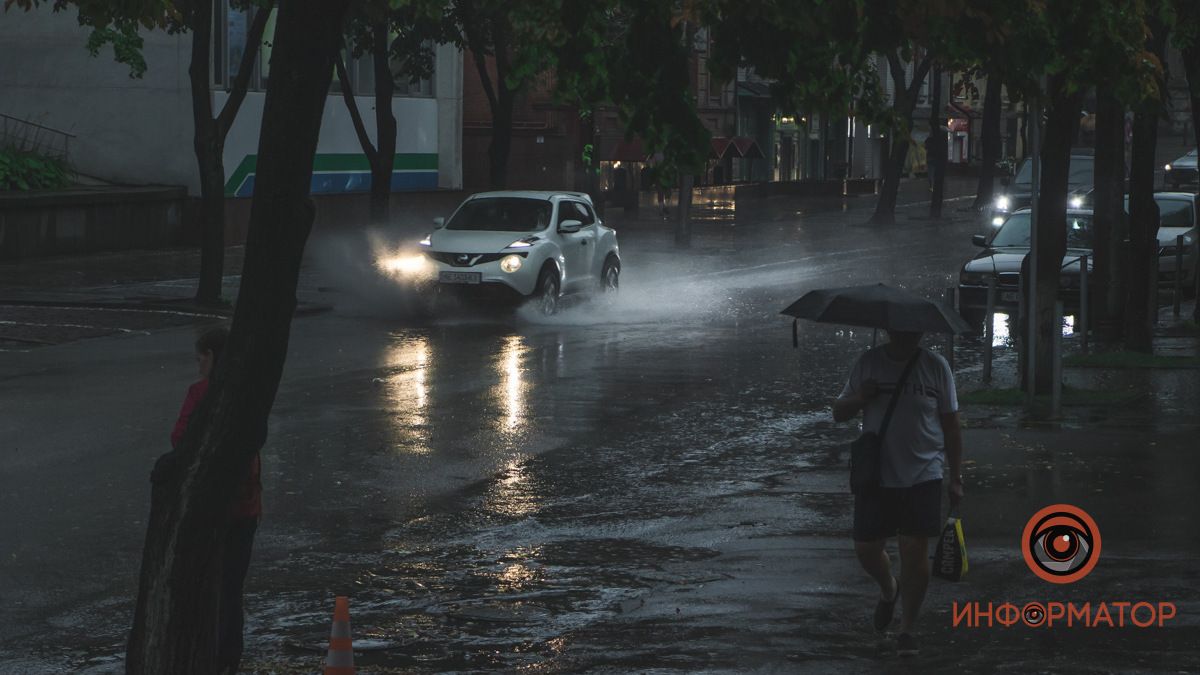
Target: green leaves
[{"x": 23, "y": 170}]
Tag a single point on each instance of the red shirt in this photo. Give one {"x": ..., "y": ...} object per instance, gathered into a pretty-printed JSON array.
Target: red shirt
[{"x": 248, "y": 499}]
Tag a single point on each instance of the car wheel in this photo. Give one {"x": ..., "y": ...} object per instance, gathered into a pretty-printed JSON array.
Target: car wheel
[
  {"x": 546, "y": 295},
  {"x": 610, "y": 276}
]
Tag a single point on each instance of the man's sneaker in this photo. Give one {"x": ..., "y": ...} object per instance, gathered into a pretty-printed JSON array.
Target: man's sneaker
[
  {"x": 906, "y": 645},
  {"x": 885, "y": 610}
]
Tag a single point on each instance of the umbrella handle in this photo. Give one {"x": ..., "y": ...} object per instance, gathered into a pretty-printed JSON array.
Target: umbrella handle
[{"x": 795, "y": 335}]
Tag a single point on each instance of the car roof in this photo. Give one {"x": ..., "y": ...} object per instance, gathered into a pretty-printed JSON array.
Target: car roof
[
  {"x": 1179, "y": 196},
  {"x": 1070, "y": 212},
  {"x": 533, "y": 194}
]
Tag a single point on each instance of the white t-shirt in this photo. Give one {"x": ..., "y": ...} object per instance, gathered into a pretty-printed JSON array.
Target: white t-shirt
[{"x": 913, "y": 449}]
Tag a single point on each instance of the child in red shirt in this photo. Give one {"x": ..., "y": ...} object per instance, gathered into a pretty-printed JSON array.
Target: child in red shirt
[{"x": 244, "y": 512}]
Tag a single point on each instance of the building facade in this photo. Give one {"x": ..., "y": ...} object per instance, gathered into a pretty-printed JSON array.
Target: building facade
[{"x": 138, "y": 131}]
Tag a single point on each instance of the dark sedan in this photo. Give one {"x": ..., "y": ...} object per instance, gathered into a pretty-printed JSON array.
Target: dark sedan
[
  {"x": 1182, "y": 172},
  {"x": 1001, "y": 259}
]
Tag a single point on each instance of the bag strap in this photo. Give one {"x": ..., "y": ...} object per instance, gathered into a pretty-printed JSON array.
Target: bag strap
[{"x": 887, "y": 418}]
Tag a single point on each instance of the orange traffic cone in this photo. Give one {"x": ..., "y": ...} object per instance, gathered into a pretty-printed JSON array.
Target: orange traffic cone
[{"x": 340, "y": 660}]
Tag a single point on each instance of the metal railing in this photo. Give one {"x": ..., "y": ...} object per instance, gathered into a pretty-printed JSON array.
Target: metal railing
[{"x": 29, "y": 136}]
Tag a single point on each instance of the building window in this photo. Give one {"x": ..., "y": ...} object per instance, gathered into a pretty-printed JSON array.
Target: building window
[{"x": 230, "y": 28}]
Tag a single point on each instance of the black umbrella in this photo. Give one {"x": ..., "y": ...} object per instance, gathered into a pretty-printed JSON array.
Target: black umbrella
[{"x": 876, "y": 306}]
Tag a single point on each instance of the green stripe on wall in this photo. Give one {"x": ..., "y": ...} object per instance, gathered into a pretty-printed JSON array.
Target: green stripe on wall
[{"x": 408, "y": 161}]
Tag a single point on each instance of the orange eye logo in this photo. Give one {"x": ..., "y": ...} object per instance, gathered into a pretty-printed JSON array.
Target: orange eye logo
[{"x": 1061, "y": 543}]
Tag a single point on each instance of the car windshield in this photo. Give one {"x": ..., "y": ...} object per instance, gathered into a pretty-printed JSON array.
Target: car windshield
[
  {"x": 1082, "y": 172},
  {"x": 1015, "y": 232},
  {"x": 502, "y": 214},
  {"x": 1172, "y": 212}
]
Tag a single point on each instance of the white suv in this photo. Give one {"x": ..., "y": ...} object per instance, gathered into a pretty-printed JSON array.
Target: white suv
[{"x": 540, "y": 245}]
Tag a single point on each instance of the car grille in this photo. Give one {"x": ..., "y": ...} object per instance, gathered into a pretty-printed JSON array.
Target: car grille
[
  {"x": 1012, "y": 279},
  {"x": 464, "y": 259},
  {"x": 1182, "y": 175}
]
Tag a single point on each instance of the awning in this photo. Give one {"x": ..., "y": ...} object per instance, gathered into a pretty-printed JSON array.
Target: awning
[
  {"x": 746, "y": 147},
  {"x": 738, "y": 146},
  {"x": 720, "y": 147},
  {"x": 625, "y": 151}
]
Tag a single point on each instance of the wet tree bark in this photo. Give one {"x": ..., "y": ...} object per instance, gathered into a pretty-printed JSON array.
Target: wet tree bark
[
  {"x": 938, "y": 149},
  {"x": 1062, "y": 125},
  {"x": 208, "y": 138},
  {"x": 991, "y": 141},
  {"x": 1110, "y": 224},
  {"x": 1191, "y": 68},
  {"x": 683, "y": 224},
  {"x": 500, "y": 98},
  {"x": 381, "y": 156},
  {"x": 1141, "y": 297},
  {"x": 904, "y": 105},
  {"x": 174, "y": 629}
]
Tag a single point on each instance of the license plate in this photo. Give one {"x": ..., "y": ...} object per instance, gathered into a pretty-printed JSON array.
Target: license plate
[
  {"x": 1010, "y": 296},
  {"x": 459, "y": 277}
]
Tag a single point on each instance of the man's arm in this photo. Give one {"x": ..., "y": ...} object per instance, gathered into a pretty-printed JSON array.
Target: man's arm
[
  {"x": 952, "y": 432},
  {"x": 846, "y": 407}
]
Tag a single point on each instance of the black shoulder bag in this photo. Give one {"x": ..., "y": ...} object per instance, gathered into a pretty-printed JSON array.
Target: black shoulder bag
[{"x": 866, "y": 450}]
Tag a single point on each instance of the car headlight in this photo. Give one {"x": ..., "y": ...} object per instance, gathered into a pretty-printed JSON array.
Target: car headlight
[
  {"x": 973, "y": 278},
  {"x": 1003, "y": 202},
  {"x": 410, "y": 265},
  {"x": 1167, "y": 167},
  {"x": 425, "y": 241},
  {"x": 1076, "y": 202},
  {"x": 510, "y": 263},
  {"x": 997, "y": 221}
]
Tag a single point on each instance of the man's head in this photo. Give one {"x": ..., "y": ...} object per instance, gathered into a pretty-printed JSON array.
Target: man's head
[
  {"x": 208, "y": 349},
  {"x": 904, "y": 339}
]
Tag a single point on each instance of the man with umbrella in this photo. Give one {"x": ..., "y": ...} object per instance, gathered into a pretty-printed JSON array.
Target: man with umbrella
[{"x": 914, "y": 389}]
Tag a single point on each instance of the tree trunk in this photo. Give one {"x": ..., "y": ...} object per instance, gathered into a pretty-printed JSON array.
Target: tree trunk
[
  {"x": 1110, "y": 224},
  {"x": 1191, "y": 67},
  {"x": 175, "y": 622},
  {"x": 1141, "y": 304},
  {"x": 1062, "y": 124},
  {"x": 385, "y": 126},
  {"x": 207, "y": 145},
  {"x": 683, "y": 226},
  {"x": 903, "y": 106},
  {"x": 991, "y": 141},
  {"x": 936, "y": 162},
  {"x": 501, "y": 145},
  {"x": 208, "y": 137},
  {"x": 1140, "y": 299}
]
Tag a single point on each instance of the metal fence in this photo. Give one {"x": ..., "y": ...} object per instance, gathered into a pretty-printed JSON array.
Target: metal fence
[{"x": 31, "y": 137}]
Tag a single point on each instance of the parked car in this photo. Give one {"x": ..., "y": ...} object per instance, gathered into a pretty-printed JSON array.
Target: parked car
[
  {"x": 1182, "y": 172},
  {"x": 527, "y": 245},
  {"x": 1003, "y": 252},
  {"x": 1016, "y": 193},
  {"x": 1177, "y": 215}
]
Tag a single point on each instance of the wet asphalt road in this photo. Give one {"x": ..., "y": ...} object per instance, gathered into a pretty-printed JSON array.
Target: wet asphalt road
[{"x": 649, "y": 484}]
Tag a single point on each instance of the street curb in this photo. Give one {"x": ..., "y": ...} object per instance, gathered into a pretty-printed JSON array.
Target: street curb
[{"x": 302, "y": 309}]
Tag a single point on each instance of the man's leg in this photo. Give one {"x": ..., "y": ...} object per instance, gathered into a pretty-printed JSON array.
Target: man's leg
[
  {"x": 914, "y": 579},
  {"x": 873, "y": 557}
]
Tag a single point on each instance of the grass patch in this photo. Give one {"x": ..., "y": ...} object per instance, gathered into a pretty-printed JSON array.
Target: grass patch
[
  {"x": 1124, "y": 359},
  {"x": 1071, "y": 396}
]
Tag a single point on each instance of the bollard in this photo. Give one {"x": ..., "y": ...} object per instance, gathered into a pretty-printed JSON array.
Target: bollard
[
  {"x": 950, "y": 293},
  {"x": 1178, "y": 276},
  {"x": 1056, "y": 366},
  {"x": 989, "y": 329},
  {"x": 1082, "y": 318}
]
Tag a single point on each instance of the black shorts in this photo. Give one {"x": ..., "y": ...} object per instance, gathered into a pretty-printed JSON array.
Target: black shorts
[{"x": 886, "y": 512}]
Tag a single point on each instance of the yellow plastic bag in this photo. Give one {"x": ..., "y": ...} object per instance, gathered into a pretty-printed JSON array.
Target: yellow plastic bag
[{"x": 950, "y": 557}]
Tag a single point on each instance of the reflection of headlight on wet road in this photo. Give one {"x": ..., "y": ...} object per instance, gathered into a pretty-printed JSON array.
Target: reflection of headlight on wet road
[
  {"x": 410, "y": 265},
  {"x": 510, "y": 263}
]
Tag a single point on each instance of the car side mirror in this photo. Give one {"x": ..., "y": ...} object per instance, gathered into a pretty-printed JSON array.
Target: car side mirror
[
  {"x": 439, "y": 222},
  {"x": 570, "y": 226},
  {"x": 979, "y": 240}
]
